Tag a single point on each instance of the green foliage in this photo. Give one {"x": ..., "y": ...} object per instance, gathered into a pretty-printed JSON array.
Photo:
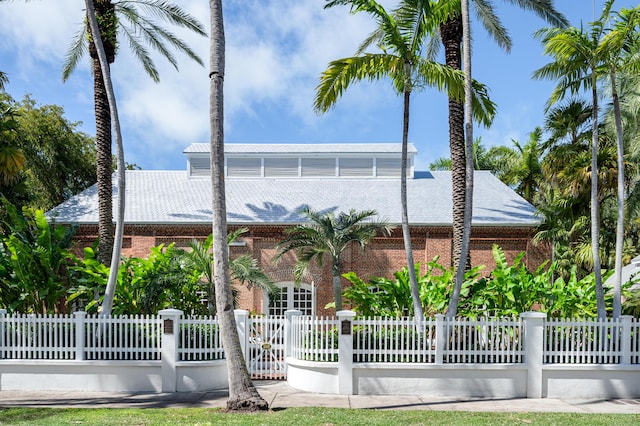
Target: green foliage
[
  {"x": 243, "y": 268},
  {"x": 34, "y": 260},
  {"x": 47, "y": 158},
  {"x": 169, "y": 278},
  {"x": 392, "y": 298},
  {"x": 328, "y": 233},
  {"x": 631, "y": 304},
  {"x": 509, "y": 290},
  {"x": 144, "y": 286}
]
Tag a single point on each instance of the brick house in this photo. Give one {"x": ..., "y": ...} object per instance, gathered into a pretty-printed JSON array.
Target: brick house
[{"x": 267, "y": 185}]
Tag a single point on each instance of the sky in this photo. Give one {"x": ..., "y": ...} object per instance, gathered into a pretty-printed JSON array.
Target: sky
[{"x": 275, "y": 53}]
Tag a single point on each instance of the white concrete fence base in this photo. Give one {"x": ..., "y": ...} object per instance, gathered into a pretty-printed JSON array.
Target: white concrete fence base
[{"x": 531, "y": 378}]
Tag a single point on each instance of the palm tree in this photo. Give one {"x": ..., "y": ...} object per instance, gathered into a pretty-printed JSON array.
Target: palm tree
[
  {"x": 331, "y": 234},
  {"x": 124, "y": 18},
  {"x": 578, "y": 64},
  {"x": 620, "y": 47},
  {"x": 568, "y": 123},
  {"x": 243, "y": 396},
  {"x": 3, "y": 80},
  {"x": 452, "y": 35},
  {"x": 243, "y": 268},
  {"x": 109, "y": 294},
  {"x": 401, "y": 60}
]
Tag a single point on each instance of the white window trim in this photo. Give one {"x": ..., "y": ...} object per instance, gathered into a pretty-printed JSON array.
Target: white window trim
[{"x": 290, "y": 285}]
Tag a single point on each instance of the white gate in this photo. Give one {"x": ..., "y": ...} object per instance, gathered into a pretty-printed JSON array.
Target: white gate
[{"x": 265, "y": 352}]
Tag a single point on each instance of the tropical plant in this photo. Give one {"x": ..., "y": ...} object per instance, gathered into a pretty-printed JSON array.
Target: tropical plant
[
  {"x": 133, "y": 21},
  {"x": 509, "y": 289},
  {"x": 243, "y": 268},
  {"x": 577, "y": 65},
  {"x": 243, "y": 396},
  {"x": 400, "y": 39},
  {"x": 145, "y": 286},
  {"x": 331, "y": 234},
  {"x": 34, "y": 262},
  {"x": 4, "y": 80},
  {"x": 452, "y": 35},
  {"x": 619, "y": 48},
  {"x": 12, "y": 159},
  {"x": 379, "y": 296}
]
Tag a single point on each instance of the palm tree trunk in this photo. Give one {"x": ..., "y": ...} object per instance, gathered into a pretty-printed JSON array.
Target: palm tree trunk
[
  {"x": 595, "y": 206},
  {"x": 103, "y": 66},
  {"x": 451, "y": 35},
  {"x": 337, "y": 289},
  {"x": 104, "y": 161},
  {"x": 617, "y": 289},
  {"x": 415, "y": 291},
  {"x": 469, "y": 164},
  {"x": 243, "y": 395}
]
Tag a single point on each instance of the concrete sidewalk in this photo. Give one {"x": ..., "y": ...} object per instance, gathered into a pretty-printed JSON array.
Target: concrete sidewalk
[{"x": 280, "y": 395}]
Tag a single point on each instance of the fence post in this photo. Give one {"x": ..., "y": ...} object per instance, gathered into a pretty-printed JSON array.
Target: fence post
[
  {"x": 288, "y": 315},
  {"x": 81, "y": 331},
  {"x": 242, "y": 323},
  {"x": 345, "y": 352},
  {"x": 3, "y": 312},
  {"x": 441, "y": 338},
  {"x": 170, "y": 337},
  {"x": 534, "y": 351},
  {"x": 625, "y": 335}
]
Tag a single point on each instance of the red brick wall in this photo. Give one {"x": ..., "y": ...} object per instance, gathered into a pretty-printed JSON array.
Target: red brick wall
[{"x": 382, "y": 257}]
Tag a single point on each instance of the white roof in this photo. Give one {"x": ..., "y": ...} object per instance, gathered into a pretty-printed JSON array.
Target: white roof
[
  {"x": 325, "y": 148},
  {"x": 171, "y": 197}
]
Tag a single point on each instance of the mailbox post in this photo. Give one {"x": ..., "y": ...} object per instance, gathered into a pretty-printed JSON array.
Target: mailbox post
[{"x": 345, "y": 352}]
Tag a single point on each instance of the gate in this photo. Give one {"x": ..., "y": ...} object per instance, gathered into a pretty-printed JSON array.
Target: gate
[{"x": 265, "y": 351}]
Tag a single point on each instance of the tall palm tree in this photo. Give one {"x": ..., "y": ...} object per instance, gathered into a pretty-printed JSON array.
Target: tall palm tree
[
  {"x": 131, "y": 20},
  {"x": 620, "y": 48},
  {"x": 3, "y": 80},
  {"x": 103, "y": 62},
  {"x": 577, "y": 65},
  {"x": 465, "y": 242},
  {"x": 452, "y": 34},
  {"x": 243, "y": 396},
  {"x": 400, "y": 41},
  {"x": 330, "y": 234}
]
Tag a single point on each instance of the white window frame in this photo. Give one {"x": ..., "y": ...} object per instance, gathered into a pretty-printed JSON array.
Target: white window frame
[{"x": 291, "y": 286}]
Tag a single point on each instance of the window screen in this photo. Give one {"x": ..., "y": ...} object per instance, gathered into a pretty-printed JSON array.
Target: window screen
[
  {"x": 244, "y": 167},
  {"x": 318, "y": 167}
]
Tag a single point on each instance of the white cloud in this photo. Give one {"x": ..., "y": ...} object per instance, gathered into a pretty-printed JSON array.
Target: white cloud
[
  {"x": 276, "y": 50},
  {"x": 39, "y": 30}
]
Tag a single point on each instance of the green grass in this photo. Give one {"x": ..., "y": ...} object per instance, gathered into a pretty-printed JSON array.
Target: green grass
[{"x": 297, "y": 416}]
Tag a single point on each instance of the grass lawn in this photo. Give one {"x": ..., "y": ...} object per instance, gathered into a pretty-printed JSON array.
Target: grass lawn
[{"x": 297, "y": 416}]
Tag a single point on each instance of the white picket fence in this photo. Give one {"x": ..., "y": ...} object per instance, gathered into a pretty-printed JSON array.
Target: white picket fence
[
  {"x": 485, "y": 340},
  {"x": 97, "y": 338},
  {"x": 468, "y": 341},
  {"x": 528, "y": 356}
]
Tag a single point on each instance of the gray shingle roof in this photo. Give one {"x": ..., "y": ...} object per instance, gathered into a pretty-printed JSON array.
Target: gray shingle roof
[{"x": 171, "y": 197}]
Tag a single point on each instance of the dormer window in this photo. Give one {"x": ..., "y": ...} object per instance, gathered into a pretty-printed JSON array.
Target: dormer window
[{"x": 304, "y": 161}]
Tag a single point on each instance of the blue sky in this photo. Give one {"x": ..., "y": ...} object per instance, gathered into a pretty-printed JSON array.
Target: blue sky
[{"x": 276, "y": 50}]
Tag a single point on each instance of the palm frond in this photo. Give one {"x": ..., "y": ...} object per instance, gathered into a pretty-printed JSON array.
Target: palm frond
[
  {"x": 168, "y": 12},
  {"x": 76, "y": 51},
  {"x": 342, "y": 73}
]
